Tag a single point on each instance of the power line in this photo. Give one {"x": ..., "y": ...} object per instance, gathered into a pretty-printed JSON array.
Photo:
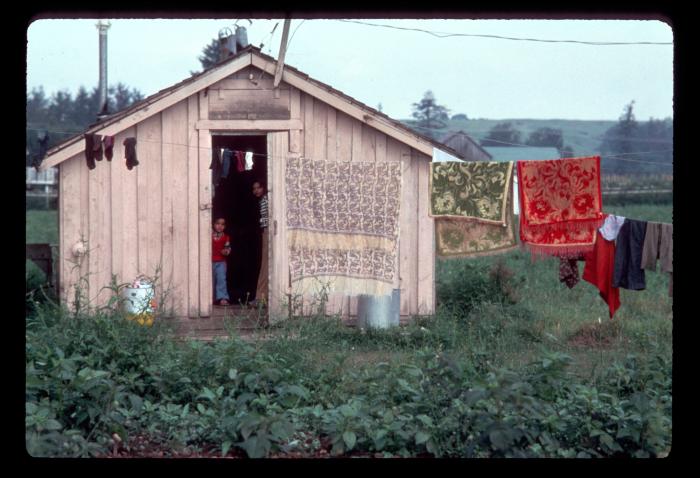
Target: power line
[
  {"x": 294, "y": 33},
  {"x": 499, "y": 37},
  {"x": 612, "y": 156},
  {"x": 609, "y": 156}
]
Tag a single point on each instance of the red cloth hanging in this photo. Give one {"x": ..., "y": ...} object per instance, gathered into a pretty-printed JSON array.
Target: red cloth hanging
[
  {"x": 560, "y": 205},
  {"x": 240, "y": 161},
  {"x": 600, "y": 263}
]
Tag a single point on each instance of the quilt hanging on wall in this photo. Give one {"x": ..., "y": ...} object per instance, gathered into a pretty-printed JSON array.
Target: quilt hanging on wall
[{"x": 343, "y": 225}]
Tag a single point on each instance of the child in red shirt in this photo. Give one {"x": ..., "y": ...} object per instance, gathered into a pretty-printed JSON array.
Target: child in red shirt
[{"x": 220, "y": 248}]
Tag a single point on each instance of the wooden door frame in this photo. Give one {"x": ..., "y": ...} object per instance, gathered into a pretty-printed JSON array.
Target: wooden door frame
[{"x": 278, "y": 254}]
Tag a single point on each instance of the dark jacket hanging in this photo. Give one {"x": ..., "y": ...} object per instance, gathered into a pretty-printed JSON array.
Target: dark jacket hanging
[
  {"x": 628, "y": 272},
  {"x": 108, "y": 142},
  {"x": 130, "y": 153},
  {"x": 90, "y": 150}
]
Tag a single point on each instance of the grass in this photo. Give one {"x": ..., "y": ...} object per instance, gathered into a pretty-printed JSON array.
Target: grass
[
  {"x": 537, "y": 314},
  {"x": 42, "y": 227},
  {"x": 546, "y": 316}
]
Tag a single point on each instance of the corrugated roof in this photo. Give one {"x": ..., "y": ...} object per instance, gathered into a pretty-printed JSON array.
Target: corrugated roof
[
  {"x": 250, "y": 48},
  {"x": 522, "y": 153}
]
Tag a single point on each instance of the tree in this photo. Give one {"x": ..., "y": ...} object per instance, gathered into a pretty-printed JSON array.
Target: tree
[
  {"x": 460, "y": 116},
  {"x": 566, "y": 151},
  {"x": 620, "y": 140},
  {"x": 429, "y": 114},
  {"x": 64, "y": 115},
  {"x": 546, "y": 137},
  {"x": 123, "y": 97},
  {"x": 83, "y": 108},
  {"x": 37, "y": 105},
  {"x": 503, "y": 134},
  {"x": 60, "y": 107},
  {"x": 210, "y": 55}
]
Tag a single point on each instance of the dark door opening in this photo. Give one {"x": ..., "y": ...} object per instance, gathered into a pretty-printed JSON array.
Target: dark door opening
[{"x": 233, "y": 200}]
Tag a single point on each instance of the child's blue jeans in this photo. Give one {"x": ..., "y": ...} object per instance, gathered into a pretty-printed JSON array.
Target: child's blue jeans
[{"x": 218, "y": 270}]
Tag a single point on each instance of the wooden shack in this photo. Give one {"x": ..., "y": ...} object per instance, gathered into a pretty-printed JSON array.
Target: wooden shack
[{"x": 157, "y": 216}]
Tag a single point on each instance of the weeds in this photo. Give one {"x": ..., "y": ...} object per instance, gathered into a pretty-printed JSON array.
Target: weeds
[{"x": 501, "y": 370}]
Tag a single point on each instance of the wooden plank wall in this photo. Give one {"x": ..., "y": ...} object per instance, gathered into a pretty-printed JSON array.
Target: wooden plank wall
[
  {"x": 334, "y": 136},
  {"x": 144, "y": 221}
]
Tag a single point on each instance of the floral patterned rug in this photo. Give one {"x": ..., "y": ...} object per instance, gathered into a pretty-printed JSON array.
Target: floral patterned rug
[
  {"x": 471, "y": 238},
  {"x": 470, "y": 190},
  {"x": 560, "y": 205}
]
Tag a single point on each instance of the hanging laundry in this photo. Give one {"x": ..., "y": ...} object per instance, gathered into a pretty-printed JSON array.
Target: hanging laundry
[
  {"x": 628, "y": 272},
  {"x": 568, "y": 270},
  {"x": 470, "y": 190},
  {"x": 658, "y": 244},
  {"x": 216, "y": 166},
  {"x": 248, "y": 160},
  {"x": 611, "y": 227},
  {"x": 226, "y": 162},
  {"x": 108, "y": 143},
  {"x": 90, "y": 150},
  {"x": 130, "y": 153},
  {"x": 560, "y": 205},
  {"x": 240, "y": 161},
  {"x": 343, "y": 225},
  {"x": 43, "y": 139},
  {"x": 600, "y": 264},
  {"x": 97, "y": 147},
  {"x": 472, "y": 238}
]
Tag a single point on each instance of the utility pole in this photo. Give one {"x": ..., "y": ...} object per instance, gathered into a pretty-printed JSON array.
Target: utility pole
[{"x": 283, "y": 50}]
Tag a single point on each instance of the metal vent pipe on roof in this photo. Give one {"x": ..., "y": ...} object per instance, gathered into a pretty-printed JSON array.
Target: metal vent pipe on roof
[
  {"x": 102, "y": 88},
  {"x": 241, "y": 37}
]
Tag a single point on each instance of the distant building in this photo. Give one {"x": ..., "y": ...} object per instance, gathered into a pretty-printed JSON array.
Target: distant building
[
  {"x": 466, "y": 146},
  {"x": 520, "y": 153}
]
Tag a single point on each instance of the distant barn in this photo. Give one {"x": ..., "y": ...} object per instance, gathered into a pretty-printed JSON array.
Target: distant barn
[
  {"x": 158, "y": 215},
  {"x": 466, "y": 146}
]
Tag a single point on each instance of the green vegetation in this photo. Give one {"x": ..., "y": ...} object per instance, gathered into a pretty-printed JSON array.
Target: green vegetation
[
  {"x": 42, "y": 227},
  {"x": 513, "y": 364},
  {"x": 584, "y": 137}
]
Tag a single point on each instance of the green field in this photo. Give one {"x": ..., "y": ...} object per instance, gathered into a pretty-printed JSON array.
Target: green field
[
  {"x": 42, "y": 227},
  {"x": 583, "y": 136}
]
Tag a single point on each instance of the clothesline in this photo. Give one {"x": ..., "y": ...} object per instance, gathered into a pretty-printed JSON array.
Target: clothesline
[
  {"x": 581, "y": 134},
  {"x": 609, "y": 156}
]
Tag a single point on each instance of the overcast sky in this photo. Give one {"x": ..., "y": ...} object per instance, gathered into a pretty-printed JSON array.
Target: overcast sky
[{"x": 481, "y": 77}]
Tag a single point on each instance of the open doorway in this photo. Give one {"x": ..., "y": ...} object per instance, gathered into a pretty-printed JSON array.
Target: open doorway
[{"x": 233, "y": 200}]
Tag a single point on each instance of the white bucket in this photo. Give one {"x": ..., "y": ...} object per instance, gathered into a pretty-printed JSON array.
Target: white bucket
[{"x": 137, "y": 300}]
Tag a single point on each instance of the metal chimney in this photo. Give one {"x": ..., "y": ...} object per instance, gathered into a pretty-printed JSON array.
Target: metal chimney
[
  {"x": 102, "y": 28},
  {"x": 241, "y": 37},
  {"x": 227, "y": 43}
]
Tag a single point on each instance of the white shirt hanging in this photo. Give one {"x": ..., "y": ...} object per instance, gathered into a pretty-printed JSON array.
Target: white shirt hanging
[
  {"x": 611, "y": 227},
  {"x": 248, "y": 160}
]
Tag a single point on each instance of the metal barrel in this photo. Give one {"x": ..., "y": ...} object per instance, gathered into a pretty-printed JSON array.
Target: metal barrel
[{"x": 378, "y": 311}]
